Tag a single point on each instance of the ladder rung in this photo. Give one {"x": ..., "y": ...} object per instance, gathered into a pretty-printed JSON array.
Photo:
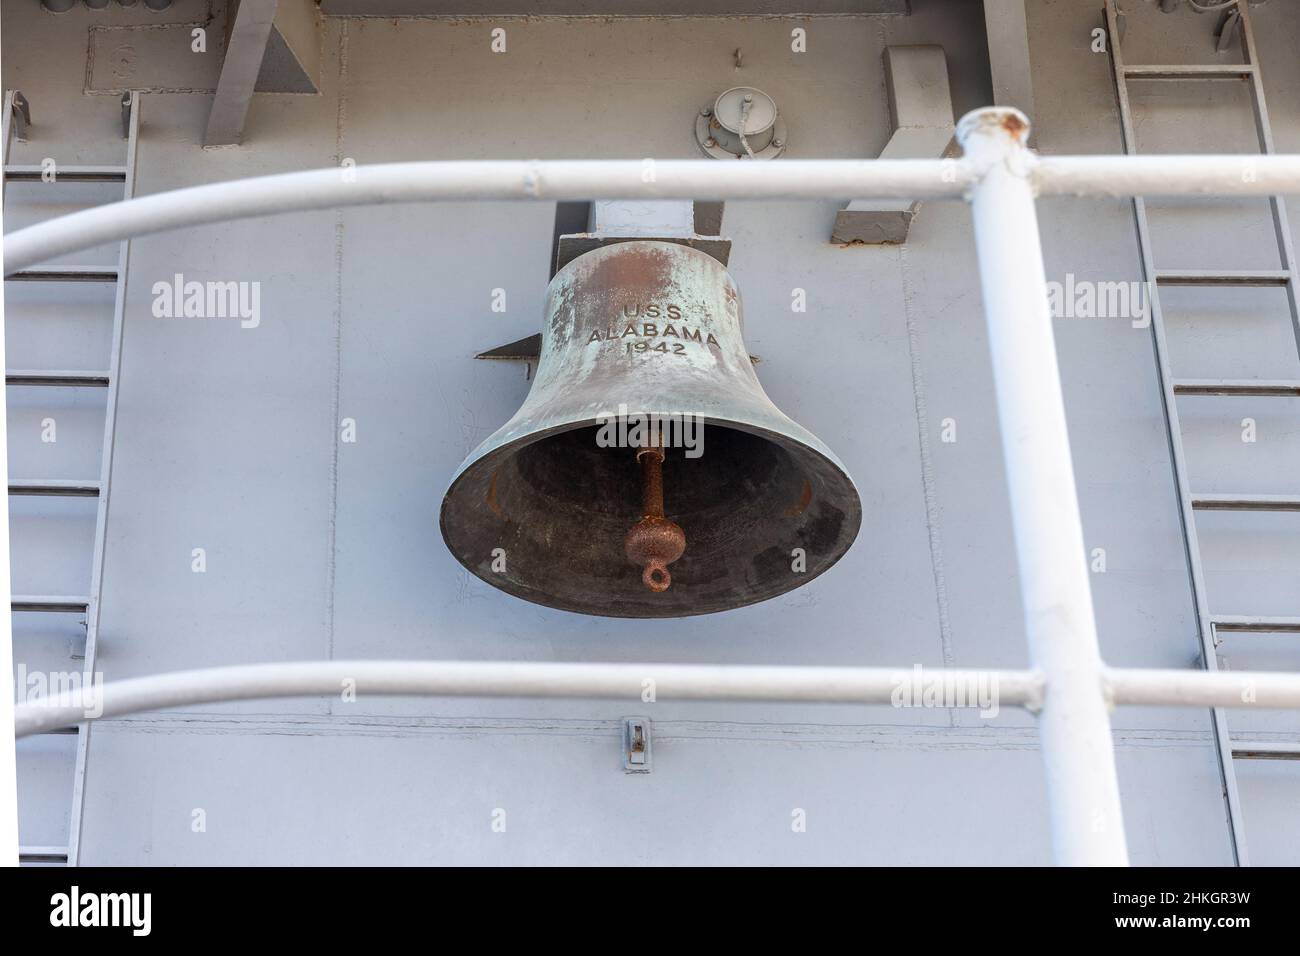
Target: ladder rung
[
  {"x": 1237, "y": 386},
  {"x": 1246, "y": 502},
  {"x": 53, "y": 488},
  {"x": 67, "y": 174},
  {"x": 1217, "y": 277},
  {"x": 50, "y": 603},
  {"x": 1256, "y": 624},
  {"x": 57, "y": 378},
  {"x": 1265, "y": 750},
  {"x": 42, "y": 854},
  {"x": 65, "y": 274},
  {"x": 1191, "y": 71}
]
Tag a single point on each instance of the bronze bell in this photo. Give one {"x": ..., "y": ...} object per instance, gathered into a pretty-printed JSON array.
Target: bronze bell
[{"x": 647, "y": 474}]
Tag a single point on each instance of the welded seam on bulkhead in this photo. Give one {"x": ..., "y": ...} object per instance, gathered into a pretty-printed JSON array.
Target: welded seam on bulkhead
[
  {"x": 340, "y": 121},
  {"x": 927, "y": 465},
  {"x": 930, "y": 496},
  {"x": 904, "y": 738}
]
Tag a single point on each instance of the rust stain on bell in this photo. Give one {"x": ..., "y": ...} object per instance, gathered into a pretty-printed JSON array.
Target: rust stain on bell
[
  {"x": 805, "y": 499},
  {"x": 725, "y": 487},
  {"x": 491, "y": 497}
]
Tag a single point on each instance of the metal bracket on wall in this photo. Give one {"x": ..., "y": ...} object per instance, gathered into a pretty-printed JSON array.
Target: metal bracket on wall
[
  {"x": 1226, "y": 34},
  {"x": 22, "y": 116},
  {"x": 527, "y": 350},
  {"x": 126, "y": 115},
  {"x": 637, "y": 753},
  {"x": 920, "y": 111},
  {"x": 694, "y": 224}
]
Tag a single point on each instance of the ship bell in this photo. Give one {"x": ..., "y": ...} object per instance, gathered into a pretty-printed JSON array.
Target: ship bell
[{"x": 647, "y": 474}]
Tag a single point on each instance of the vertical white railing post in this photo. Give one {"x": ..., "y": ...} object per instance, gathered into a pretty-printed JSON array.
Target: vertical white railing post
[{"x": 1074, "y": 724}]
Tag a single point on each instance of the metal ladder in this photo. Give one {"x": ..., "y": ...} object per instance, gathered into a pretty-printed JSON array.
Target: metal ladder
[
  {"x": 1211, "y": 625},
  {"x": 17, "y": 120}
]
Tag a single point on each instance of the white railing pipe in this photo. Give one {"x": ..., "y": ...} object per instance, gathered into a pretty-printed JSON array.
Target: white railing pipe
[
  {"x": 1074, "y": 725},
  {"x": 554, "y": 180},
  {"x": 631, "y": 682},
  {"x": 1167, "y": 176},
  {"x": 479, "y": 180},
  {"x": 832, "y": 685},
  {"x": 1173, "y": 688}
]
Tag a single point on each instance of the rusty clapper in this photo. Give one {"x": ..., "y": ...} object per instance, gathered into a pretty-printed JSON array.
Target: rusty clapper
[
  {"x": 647, "y": 441},
  {"x": 654, "y": 542}
]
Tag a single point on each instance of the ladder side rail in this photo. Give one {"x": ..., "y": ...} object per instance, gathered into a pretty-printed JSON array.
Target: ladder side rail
[
  {"x": 1177, "y": 457},
  {"x": 9, "y": 837},
  {"x": 6, "y": 139},
  {"x": 105, "y": 477},
  {"x": 1277, "y": 204}
]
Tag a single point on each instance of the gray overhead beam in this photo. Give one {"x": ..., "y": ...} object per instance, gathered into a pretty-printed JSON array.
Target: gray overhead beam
[
  {"x": 249, "y": 33},
  {"x": 648, "y": 8},
  {"x": 1008, "y": 38},
  {"x": 661, "y": 220}
]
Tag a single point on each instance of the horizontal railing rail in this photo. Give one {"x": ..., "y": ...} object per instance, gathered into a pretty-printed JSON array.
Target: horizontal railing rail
[
  {"x": 900, "y": 687},
  {"x": 700, "y": 179}
]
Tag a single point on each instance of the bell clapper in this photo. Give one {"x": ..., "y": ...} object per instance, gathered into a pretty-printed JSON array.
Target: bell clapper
[{"x": 654, "y": 542}]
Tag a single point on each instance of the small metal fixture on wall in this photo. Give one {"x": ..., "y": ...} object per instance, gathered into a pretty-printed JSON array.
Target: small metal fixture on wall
[
  {"x": 742, "y": 123},
  {"x": 638, "y": 754}
]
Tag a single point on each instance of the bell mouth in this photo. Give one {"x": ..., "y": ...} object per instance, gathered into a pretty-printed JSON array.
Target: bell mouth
[{"x": 545, "y": 517}]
